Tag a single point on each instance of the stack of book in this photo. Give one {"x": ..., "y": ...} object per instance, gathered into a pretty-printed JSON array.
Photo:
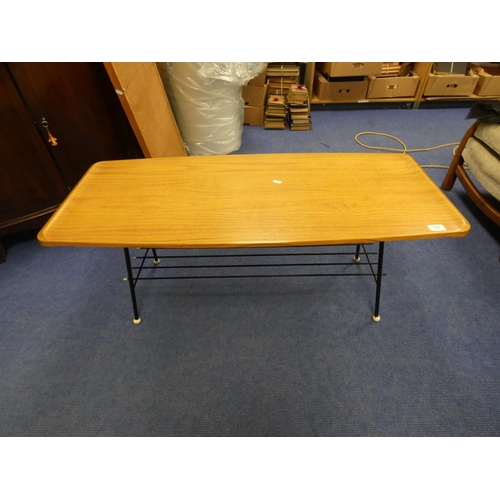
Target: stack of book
[
  {"x": 276, "y": 112},
  {"x": 280, "y": 76},
  {"x": 299, "y": 108}
]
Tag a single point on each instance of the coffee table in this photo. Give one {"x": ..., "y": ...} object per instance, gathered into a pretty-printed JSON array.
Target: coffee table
[{"x": 254, "y": 201}]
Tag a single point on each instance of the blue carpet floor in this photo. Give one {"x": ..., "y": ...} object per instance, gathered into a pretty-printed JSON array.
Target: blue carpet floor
[{"x": 263, "y": 357}]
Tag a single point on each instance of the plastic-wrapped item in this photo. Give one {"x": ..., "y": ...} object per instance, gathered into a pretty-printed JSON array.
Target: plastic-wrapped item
[{"x": 207, "y": 104}]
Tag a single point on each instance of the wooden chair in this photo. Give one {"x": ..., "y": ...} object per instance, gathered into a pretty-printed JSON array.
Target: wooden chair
[{"x": 479, "y": 149}]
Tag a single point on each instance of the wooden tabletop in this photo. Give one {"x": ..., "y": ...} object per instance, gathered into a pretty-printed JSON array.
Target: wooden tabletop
[{"x": 235, "y": 200}]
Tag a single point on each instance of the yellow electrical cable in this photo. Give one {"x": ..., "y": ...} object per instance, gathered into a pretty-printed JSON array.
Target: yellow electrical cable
[{"x": 405, "y": 149}]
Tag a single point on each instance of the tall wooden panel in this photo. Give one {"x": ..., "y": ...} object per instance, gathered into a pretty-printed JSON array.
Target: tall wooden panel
[{"x": 146, "y": 104}]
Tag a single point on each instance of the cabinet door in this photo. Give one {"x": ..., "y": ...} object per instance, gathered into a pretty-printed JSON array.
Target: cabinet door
[
  {"x": 82, "y": 111},
  {"x": 30, "y": 183}
]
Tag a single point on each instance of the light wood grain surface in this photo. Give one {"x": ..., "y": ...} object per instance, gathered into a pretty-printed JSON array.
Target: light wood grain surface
[
  {"x": 145, "y": 102},
  {"x": 254, "y": 200}
]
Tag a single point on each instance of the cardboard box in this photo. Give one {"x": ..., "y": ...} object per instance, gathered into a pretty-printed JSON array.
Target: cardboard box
[
  {"x": 254, "y": 115},
  {"x": 339, "y": 91},
  {"x": 489, "y": 81},
  {"x": 259, "y": 80},
  {"x": 349, "y": 68},
  {"x": 253, "y": 95},
  {"x": 450, "y": 85},
  {"x": 392, "y": 86}
]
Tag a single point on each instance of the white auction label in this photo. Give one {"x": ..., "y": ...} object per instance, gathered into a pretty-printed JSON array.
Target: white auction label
[{"x": 436, "y": 227}]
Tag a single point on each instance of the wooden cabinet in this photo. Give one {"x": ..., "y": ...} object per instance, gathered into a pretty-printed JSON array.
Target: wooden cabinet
[{"x": 82, "y": 111}]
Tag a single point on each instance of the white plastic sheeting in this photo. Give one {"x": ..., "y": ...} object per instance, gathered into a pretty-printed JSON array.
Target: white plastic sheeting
[{"x": 207, "y": 104}]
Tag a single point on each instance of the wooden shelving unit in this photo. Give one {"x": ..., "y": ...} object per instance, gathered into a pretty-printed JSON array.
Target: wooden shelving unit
[{"x": 422, "y": 69}]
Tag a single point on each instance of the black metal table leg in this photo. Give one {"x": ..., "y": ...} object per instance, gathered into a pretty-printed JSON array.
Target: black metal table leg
[
  {"x": 156, "y": 259},
  {"x": 131, "y": 283},
  {"x": 356, "y": 257},
  {"x": 376, "y": 315}
]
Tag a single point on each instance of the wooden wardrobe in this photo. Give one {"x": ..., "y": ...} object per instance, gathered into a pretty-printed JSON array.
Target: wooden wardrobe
[{"x": 57, "y": 119}]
